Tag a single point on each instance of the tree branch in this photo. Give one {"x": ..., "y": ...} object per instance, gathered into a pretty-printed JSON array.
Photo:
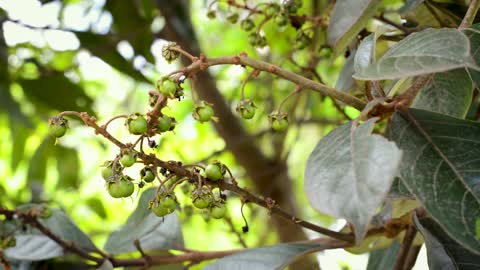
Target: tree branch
[{"x": 470, "y": 15}]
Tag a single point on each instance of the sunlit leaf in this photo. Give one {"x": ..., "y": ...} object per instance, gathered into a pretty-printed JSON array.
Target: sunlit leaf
[
  {"x": 96, "y": 205},
  {"x": 447, "y": 93},
  {"x": 443, "y": 252},
  {"x": 348, "y": 18},
  {"x": 440, "y": 167},
  {"x": 153, "y": 233},
  {"x": 349, "y": 173},
  {"x": 428, "y": 51},
  {"x": 38, "y": 163},
  {"x": 265, "y": 258},
  {"x": 19, "y": 136}
]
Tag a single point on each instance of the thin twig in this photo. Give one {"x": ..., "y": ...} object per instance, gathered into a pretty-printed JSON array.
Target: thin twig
[
  {"x": 405, "y": 248},
  {"x": 470, "y": 15}
]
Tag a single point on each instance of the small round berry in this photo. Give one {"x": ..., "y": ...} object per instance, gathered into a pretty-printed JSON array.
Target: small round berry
[
  {"x": 203, "y": 112},
  {"x": 128, "y": 158},
  {"x": 167, "y": 87},
  {"x": 218, "y": 210},
  {"x": 302, "y": 40},
  {"x": 232, "y": 18},
  {"x": 278, "y": 121},
  {"x": 211, "y": 14},
  {"x": 107, "y": 170},
  {"x": 271, "y": 10},
  {"x": 137, "y": 124},
  {"x": 247, "y": 24},
  {"x": 165, "y": 123},
  {"x": 292, "y": 6},
  {"x": 147, "y": 174},
  {"x": 246, "y": 108},
  {"x": 121, "y": 188},
  {"x": 57, "y": 126},
  {"x": 215, "y": 171},
  {"x": 201, "y": 198},
  {"x": 281, "y": 19}
]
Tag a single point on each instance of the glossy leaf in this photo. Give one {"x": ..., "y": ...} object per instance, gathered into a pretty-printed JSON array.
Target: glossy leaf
[
  {"x": 265, "y": 258},
  {"x": 440, "y": 167},
  {"x": 349, "y": 173},
  {"x": 447, "y": 93},
  {"x": 383, "y": 259},
  {"x": 428, "y": 51},
  {"x": 348, "y": 18},
  {"x": 154, "y": 233},
  {"x": 443, "y": 252}
]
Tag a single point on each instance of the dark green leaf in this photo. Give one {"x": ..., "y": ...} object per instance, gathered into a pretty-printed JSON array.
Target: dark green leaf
[
  {"x": 104, "y": 47},
  {"x": 38, "y": 163},
  {"x": 57, "y": 92},
  {"x": 68, "y": 166},
  {"x": 96, "y": 205},
  {"x": 348, "y": 18},
  {"x": 383, "y": 259},
  {"x": 19, "y": 136},
  {"x": 428, "y": 51},
  {"x": 154, "y": 233},
  {"x": 265, "y": 258},
  {"x": 349, "y": 173},
  {"x": 447, "y": 93},
  {"x": 440, "y": 167},
  {"x": 443, "y": 251}
]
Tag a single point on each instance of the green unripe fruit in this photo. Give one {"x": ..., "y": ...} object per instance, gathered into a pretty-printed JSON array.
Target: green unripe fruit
[
  {"x": 218, "y": 210},
  {"x": 128, "y": 158},
  {"x": 168, "y": 88},
  {"x": 302, "y": 40},
  {"x": 107, "y": 170},
  {"x": 211, "y": 14},
  {"x": 271, "y": 10},
  {"x": 278, "y": 121},
  {"x": 203, "y": 112},
  {"x": 292, "y": 6},
  {"x": 147, "y": 174},
  {"x": 246, "y": 108},
  {"x": 137, "y": 124},
  {"x": 164, "y": 204},
  {"x": 215, "y": 171},
  {"x": 247, "y": 24},
  {"x": 281, "y": 19},
  {"x": 164, "y": 124},
  {"x": 57, "y": 126},
  {"x": 232, "y": 18},
  {"x": 121, "y": 188},
  {"x": 159, "y": 210},
  {"x": 201, "y": 198}
]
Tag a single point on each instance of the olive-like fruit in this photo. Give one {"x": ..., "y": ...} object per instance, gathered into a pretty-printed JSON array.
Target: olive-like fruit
[
  {"x": 247, "y": 24},
  {"x": 218, "y": 210},
  {"x": 215, "y": 171},
  {"x": 121, "y": 188},
  {"x": 246, "y": 108},
  {"x": 57, "y": 126},
  {"x": 128, "y": 158},
  {"x": 203, "y": 112},
  {"x": 167, "y": 87},
  {"x": 147, "y": 174},
  {"x": 278, "y": 121},
  {"x": 137, "y": 124}
]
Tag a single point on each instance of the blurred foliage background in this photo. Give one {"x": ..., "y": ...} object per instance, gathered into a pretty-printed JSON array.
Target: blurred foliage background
[{"x": 103, "y": 57}]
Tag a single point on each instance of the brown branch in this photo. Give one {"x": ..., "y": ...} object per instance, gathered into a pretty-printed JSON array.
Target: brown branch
[
  {"x": 470, "y": 15},
  {"x": 405, "y": 248},
  {"x": 305, "y": 83}
]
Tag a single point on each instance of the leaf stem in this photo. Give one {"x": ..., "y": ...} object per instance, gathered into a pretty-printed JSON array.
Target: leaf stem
[{"x": 470, "y": 15}]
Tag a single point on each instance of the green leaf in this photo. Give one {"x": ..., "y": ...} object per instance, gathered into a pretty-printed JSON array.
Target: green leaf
[
  {"x": 104, "y": 47},
  {"x": 447, "y": 93},
  {"x": 428, "y": 51},
  {"x": 345, "y": 81},
  {"x": 349, "y": 173},
  {"x": 365, "y": 53},
  {"x": 33, "y": 247},
  {"x": 443, "y": 252},
  {"x": 265, "y": 258},
  {"x": 383, "y": 259},
  {"x": 68, "y": 166},
  {"x": 19, "y": 136},
  {"x": 348, "y": 18},
  {"x": 440, "y": 167},
  {"x": 96, "y": 205},
  {"x": 473, "y": 35},
  {"x": 57, "y": 92},
  {"x": 154, "y": 233},
  {"x": 37, "y": 168},
  {"x": 61, "y": 225}
]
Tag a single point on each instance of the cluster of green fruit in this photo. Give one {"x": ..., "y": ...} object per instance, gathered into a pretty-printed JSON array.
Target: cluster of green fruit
[{"x": 280, "y": 14}]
